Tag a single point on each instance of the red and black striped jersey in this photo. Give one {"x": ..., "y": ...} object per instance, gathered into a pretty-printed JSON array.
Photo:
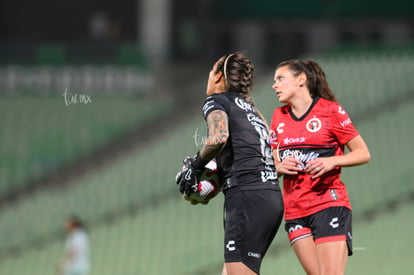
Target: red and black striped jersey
[{"x": 321, "y": 132}]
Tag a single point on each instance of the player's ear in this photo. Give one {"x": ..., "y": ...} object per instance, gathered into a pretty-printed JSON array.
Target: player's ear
[
  {"x": 218, "y": 77},
  {"x": 301, "y": 79}
]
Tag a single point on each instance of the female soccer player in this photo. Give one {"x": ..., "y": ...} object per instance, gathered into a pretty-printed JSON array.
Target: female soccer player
[
  {"x": 238, "y": 139},
  {"x": 309, "y": 134}
]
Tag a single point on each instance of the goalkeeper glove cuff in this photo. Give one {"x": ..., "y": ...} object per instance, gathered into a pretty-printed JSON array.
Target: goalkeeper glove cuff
[{"x": 199, "y": 163}]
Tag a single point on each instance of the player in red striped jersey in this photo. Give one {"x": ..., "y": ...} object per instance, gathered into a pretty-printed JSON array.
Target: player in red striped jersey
[{"x": 309, "y": 135}]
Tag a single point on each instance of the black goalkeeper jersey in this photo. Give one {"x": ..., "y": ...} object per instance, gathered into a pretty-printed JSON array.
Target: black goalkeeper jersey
[{"x": 246, "y": 160}]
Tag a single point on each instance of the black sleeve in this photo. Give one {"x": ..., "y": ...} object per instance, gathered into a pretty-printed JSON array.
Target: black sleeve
[{"x": 213, "y": 103}]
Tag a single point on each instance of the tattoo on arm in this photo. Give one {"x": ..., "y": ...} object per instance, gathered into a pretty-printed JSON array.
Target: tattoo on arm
[{"x": 218, "y": 132}]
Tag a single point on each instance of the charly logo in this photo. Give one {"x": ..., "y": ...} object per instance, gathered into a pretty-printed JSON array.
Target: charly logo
[
  {"x": 314, "y": 125},
  {"x": 279, "y": 128},
  {"x": 230, "y": 245},
  {"x": 334, "y": 222}
]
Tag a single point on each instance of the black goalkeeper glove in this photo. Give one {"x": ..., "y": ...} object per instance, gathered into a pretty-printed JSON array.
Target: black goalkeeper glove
[{"x": 187, "y": 178}]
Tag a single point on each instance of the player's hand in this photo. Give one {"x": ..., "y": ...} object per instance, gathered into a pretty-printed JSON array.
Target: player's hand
[
  {"x": 187, "y": 178},
  {"x": 290, "y": 166},
  {"x": 319, "y": 166}
]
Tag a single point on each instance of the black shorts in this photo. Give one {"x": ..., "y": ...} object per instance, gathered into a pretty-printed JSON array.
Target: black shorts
[
  {"x": 328, "y": 225},
  {"x": 251, "y": 220}
]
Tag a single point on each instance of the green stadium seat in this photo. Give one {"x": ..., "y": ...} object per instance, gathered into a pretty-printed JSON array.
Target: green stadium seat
[{"x": 131, "y": 54}]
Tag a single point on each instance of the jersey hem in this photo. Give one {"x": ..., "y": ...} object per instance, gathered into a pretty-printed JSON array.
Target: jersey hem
[{"x": 315, "y": 210}]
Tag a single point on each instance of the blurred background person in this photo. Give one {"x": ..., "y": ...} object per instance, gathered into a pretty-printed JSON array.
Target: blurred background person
[{"x": 76, "y": 257}]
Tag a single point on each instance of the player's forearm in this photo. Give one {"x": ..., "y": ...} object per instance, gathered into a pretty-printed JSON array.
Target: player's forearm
[
  {"x": 353, "y": 158},
  {"x": 359, "y": 154},
  {"x": 210, "y": 151}
]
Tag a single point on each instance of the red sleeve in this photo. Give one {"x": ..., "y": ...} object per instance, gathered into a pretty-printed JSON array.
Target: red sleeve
[{"x": 342, "y": 126}]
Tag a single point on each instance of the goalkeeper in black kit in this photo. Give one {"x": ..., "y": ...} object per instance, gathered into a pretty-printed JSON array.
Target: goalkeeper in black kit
[{"x": 238, "y": 140}]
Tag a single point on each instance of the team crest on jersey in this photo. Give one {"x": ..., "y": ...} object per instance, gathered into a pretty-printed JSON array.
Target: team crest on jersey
[{"x": 314, "y": 125}]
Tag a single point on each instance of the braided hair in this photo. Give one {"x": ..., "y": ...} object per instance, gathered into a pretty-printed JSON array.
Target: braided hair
[
  {"x": 316, "y": 79},
  {"x": 238, "y": 74}
]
